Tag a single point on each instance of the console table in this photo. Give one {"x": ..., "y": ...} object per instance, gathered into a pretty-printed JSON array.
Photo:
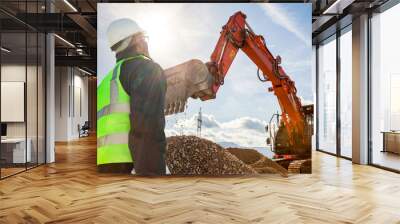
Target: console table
[{"x": 391, "y": 141}]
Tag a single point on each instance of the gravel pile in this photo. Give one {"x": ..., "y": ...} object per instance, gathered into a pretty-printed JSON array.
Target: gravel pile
[
  {"x": 266, "y": 165},
  {"x": 258, "y": 161},
  {"x": 248, "y": 156},
  {"x": 190, "y": 155}
]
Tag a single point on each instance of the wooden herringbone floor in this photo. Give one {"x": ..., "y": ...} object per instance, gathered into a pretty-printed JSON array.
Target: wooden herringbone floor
[{"x": 71, "y": 191}]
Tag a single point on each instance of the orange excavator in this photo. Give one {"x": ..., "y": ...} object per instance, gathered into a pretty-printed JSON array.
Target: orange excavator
[{"x": 293, "y": 138}]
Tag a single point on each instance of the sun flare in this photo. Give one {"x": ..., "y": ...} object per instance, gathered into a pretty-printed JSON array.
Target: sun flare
[{"x": 158, "y": 28}]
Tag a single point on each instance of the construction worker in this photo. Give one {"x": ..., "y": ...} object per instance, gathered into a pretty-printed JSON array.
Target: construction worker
[{"x": 131, "y": 114}]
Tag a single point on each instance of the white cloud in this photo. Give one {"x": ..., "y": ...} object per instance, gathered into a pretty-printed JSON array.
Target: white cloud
[
  {"x": 243, "y": 131},
  {"x": 245, "y": 123},
  {"x": 281, "y": 16}
]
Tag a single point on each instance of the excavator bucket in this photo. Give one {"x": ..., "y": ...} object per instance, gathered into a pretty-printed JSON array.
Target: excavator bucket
[{"x": 189, "y": 79}]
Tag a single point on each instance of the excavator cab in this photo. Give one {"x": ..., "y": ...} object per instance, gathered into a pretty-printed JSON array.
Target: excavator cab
[{"x": 302, "y": 146}]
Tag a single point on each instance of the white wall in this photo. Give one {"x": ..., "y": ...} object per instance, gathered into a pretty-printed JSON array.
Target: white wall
[
  {"x": 71, "y": 87},
  {"x": 62, "y": 80},
  {"x": 79, "y": 103},
  {"x": 12, "y": 73}
]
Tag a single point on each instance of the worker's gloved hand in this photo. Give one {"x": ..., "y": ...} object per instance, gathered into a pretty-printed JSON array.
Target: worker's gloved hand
[{"x": 189, "y": 79}]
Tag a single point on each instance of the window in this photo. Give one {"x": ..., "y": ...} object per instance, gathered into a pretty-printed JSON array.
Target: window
[
  {"x": 327, "y": 96},
  {"x": 314, "y": 90},
  {"x": 22, "y": 76},
  {"x": 346, "y": 92},
  {"x": 385, "y": 89}
]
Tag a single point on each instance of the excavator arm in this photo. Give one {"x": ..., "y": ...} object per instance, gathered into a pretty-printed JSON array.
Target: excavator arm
[
  {"x": 198, "y": 80},
  {"x": 237, "y": 34}
]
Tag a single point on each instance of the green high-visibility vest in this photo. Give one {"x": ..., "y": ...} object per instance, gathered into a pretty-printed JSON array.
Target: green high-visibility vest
[{"x": 113, "y": 121}]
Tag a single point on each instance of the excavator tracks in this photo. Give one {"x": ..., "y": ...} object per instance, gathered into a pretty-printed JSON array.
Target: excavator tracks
[{"x": 300, "y": 166}]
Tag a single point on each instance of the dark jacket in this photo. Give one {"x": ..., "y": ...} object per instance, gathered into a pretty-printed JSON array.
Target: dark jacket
[{"x": 145, "y": 82}]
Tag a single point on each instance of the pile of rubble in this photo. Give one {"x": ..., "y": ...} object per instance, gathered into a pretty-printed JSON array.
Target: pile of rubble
[
  {"x": 248, "y": 156},
  {"x": 258, "y": 161},
  {"x": 190, "y": 155}
]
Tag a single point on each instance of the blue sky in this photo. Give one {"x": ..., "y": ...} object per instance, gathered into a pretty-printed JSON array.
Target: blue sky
[{"x": 180, "y": 32}]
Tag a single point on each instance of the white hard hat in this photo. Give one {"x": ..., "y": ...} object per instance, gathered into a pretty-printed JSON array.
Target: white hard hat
[{"x": 120, "y": 29}]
